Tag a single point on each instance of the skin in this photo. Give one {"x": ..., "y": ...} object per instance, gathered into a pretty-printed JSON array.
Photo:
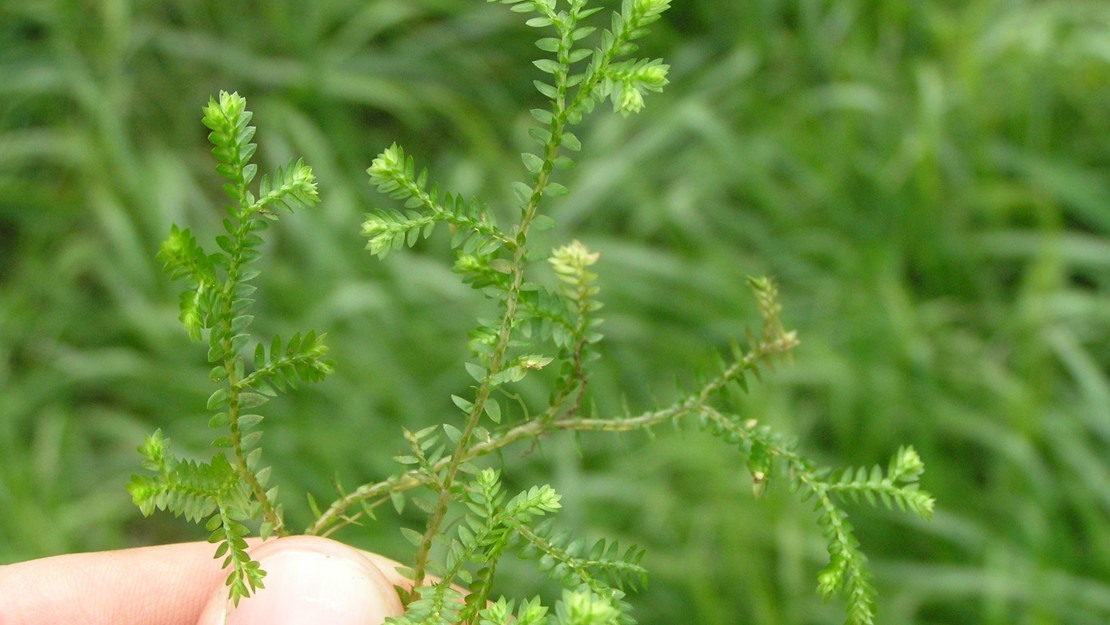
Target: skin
[{"x": 163, "y": 585}]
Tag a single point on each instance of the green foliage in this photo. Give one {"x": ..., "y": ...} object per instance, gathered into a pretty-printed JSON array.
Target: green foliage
[
  {"x": 198, "y": 490},
  {"x": 927, "y": 181},
  {"x": 217, "y": 301},
  {"x": 393, "y": 173},
  {"x": 537, "y": 327}
]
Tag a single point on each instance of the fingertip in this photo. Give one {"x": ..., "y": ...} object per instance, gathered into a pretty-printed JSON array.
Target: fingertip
[{"x": 309, "y": 580}]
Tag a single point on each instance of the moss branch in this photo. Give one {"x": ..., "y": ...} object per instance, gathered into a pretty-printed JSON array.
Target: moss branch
[{"x": 377, "y": 493}]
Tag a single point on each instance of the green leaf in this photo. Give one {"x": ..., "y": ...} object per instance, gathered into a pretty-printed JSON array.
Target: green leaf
[
  {"x": 547, "y": 65},
  {"x": 249, "y": 420},
  {"x": 548, "y": 91},
  {"x": 493, "y": 410},
  {"x": 523, "y": 193},
  {"x": 548, "y": 44},
  {"x": 571, "y": 142},
  {"x": 532, "y": 162},
  {"x": 476, "y": 371},
  {"x": 413, "y": 536},
  {"x": 543, "y": 222},
  {"x": 543, "y": 116},
  {"x": 554, "y": 189},
  {"x": 217, "y": 399},
  {"x": 464, "y": 405},
  {"x": 251, "y": 400},
  {"x": 452, "y": 432},
  {"x": 563, "y": 162},
  {"x": 398, "y": 500}
]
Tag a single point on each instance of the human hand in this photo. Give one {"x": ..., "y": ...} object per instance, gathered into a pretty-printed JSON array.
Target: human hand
[{"x": 308, "y": 580}]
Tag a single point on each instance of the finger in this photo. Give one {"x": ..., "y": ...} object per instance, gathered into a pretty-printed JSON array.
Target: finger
[
  {"x": 311, "y": 580},
  {"x": 163, "y": 585}
]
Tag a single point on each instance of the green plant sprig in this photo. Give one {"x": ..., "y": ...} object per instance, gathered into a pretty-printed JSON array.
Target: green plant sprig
[
  {"x": 236, "y": 490},
  {"x": 763, "y": 352},
  {"x": 537, "y": 326},
  {"x": 398, "y": 181}
]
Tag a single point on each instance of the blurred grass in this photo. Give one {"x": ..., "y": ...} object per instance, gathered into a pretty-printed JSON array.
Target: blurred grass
[{"x": 928, "y": 181}]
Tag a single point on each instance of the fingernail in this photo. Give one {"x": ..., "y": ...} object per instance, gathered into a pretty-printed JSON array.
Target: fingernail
[{"x": 304, "y": 587}]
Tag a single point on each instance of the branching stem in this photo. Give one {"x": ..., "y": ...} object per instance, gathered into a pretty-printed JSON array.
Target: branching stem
[
  {"x": 230, "y": 360},
  {"x": 512, "y": 300},
  {"x": 336, "y": 517}
]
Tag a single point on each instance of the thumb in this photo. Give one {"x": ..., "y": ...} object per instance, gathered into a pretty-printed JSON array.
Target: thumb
[{"x": 309, "y": 580}]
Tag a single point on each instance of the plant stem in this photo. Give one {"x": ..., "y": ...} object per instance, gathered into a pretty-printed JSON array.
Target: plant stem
[
  {"x": 335, "y": 518},
  {"x": 512, "y": 300},
  {"x": 230, "y": 359}
]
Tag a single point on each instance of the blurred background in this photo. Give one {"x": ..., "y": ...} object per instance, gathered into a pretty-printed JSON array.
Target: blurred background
[{"x": 928, "y": 181}]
